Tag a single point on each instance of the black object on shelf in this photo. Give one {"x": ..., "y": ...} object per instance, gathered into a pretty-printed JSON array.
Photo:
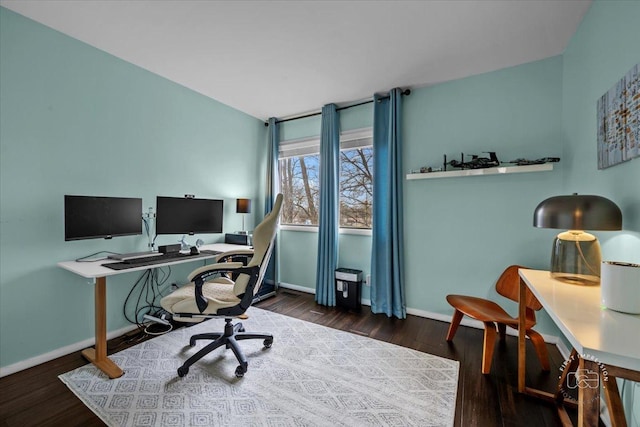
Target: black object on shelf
[{"x": 238, "y": 239}]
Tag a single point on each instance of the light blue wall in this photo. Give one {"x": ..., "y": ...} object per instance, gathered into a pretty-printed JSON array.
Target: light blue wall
[
  {"x": 603, "y": 50},
  {"x": 605, "y": 47},
  {"x": 76, "y": 120},
  {"x": 460, "y": 233}
]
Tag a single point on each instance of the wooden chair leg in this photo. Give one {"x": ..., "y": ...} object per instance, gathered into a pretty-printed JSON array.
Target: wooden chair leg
[
  {"x": 455, "y": 322},
  {"x": 540, "y": 347},
  {"x": 488, "y": 346}
]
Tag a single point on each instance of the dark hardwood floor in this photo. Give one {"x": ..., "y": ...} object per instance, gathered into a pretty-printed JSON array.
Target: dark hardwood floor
[{"x": 36, "y": 397}]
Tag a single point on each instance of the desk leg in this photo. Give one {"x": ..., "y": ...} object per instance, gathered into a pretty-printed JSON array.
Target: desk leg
[
  {"x": 614, "y": 404},
  {"x": 588, "y": 397},
  {"x": 522, "y": 339},
  {"x": 99, "y": 356}
]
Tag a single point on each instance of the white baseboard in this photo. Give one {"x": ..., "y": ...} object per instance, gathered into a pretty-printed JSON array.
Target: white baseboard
[
  {"x": 63, "y": 351},
  {"x": 551, "y": 339},
  {"x": 297, "y": 288}
]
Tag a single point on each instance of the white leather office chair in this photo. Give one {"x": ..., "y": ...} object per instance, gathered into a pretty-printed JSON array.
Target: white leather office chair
[{"x": 212, "y": 293}]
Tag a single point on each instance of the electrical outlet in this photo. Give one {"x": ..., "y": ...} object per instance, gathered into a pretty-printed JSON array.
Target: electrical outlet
[{"x": 367, "y": 280}]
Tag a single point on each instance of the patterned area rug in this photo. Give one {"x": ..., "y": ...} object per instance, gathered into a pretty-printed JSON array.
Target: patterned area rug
[{"x": 312, "y": 376}]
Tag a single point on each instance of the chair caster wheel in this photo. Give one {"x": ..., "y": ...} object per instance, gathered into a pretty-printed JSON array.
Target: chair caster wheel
[
  {"x": 240, "y": 371},
  {"x": 182, "y": 371},
  {"x": 268, "y": 343}
]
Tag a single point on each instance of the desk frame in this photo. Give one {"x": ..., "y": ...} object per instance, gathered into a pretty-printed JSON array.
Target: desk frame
[
  {"x": 588, "y": 398},
  {"x": 95, "y": 270}
]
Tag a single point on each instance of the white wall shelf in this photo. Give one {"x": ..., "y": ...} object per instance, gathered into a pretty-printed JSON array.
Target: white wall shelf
[{"x": 486, "y": 171}]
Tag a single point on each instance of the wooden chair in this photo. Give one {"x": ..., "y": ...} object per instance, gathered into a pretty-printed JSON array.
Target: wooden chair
[{"x": 493, "y": 316}]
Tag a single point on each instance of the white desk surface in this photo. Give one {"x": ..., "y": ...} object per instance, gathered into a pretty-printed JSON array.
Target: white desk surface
[
  {"x": 610, "y": 336},
  {"x": 94, "y": 269}
]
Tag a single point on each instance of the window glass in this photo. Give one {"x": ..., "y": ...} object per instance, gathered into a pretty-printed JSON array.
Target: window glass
[
  {"x": 356, "y": 187},
  {"x": 298, "y": 170},
  {"x": 300, "y": 186}
]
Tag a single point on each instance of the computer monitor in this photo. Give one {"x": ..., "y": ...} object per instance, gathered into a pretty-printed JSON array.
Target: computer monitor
[
  {"x": 93, "y": 217},
  {"x": 184, "y": 215}
]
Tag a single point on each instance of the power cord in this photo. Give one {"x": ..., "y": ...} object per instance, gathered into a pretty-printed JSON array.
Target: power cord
[{"x": 142, "y": 299}]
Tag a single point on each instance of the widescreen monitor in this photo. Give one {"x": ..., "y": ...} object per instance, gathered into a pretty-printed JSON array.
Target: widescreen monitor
[
  {"x": 184, "y": 215},
  {"x": 93, "y": 217}
]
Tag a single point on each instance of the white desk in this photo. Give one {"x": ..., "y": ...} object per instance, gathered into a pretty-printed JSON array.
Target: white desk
[
  {"x": 96, "y": 271},
  {"x": 608, "y": 341}
]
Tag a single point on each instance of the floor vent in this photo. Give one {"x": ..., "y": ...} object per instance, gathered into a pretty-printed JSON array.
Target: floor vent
[
  {"x": 319, "y": 313},
  {"x": 364, "y": 334}
]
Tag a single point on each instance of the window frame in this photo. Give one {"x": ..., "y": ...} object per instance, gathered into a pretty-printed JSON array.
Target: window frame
[{"x": 349, "y": 140}]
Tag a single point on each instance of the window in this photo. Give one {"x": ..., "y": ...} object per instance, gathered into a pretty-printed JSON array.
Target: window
[
  {"x": 356, "y": 187},
  {"x": 300, "y": 186},
  {"x": 298, "y": 169}
]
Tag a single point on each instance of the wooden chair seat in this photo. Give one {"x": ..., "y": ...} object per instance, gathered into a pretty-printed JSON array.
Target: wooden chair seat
[
  {"x": 483, "y": 310},
  {"x": 496, "y": 319}
]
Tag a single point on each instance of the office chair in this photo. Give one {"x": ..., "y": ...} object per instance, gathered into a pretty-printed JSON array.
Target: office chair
[
  {"x": 492, "y": 315},
  {"x": 226, "y": 289}
]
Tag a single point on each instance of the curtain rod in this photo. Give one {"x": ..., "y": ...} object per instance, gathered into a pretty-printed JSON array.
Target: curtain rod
[{"x": 404, "y": 92}]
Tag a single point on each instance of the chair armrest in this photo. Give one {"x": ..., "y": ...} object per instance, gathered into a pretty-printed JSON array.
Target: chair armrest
[
  {"x": 199, "y": 276},
  {"x": 220, "y": 267},
  {"x": 234, "y": 253}
]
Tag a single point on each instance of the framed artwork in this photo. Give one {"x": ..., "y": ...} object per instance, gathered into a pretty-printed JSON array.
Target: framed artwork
[{"x": 618, "y": 112}]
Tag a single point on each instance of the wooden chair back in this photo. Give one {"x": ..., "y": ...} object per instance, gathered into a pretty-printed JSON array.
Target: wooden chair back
[{"x": 508, "y": 286}]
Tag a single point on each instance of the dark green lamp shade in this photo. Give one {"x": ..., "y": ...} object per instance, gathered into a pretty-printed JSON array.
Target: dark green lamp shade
[{"x": 578, "y": 212}]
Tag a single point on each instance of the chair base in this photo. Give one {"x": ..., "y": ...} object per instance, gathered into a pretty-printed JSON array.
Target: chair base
[{"x": 229, "y": 338}]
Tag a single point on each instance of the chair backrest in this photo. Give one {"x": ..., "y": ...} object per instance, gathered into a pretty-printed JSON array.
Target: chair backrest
[
  {"x": 263, "y": 238},
  {"x": 508, "y": 285}
]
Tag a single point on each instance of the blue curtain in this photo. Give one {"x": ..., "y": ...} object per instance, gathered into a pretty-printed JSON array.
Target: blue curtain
[
  {"x": 270, "y": 192},
  {"x": 387, "y": 275},
  {"x": 328, "y": 221}
]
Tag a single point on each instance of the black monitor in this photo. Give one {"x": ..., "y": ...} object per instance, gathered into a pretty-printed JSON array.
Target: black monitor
[
  {"x": 184, "y": 215},
  {"x": 92, "y": 217}
]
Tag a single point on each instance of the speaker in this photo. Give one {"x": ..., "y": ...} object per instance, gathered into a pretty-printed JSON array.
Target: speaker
[
  {"x": 167, "y": 249},
  {"x": 237, "y": 239}
]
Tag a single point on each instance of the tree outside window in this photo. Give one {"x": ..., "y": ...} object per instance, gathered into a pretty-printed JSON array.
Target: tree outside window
[
  {"x": 356, "y": 187},
  {"x": 299, "y": 184}
]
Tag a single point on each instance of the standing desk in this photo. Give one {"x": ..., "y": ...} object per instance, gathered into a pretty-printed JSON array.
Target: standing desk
[
  {"x": 96, "y": 271},
  {"x": 605, "y": 342}
]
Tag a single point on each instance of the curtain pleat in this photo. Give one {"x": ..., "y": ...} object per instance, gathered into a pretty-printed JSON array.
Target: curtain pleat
[
  {"x": 387, "y": 272},
  {"x": 328, "y": 215},
  {"x": 271, "y": 274}
]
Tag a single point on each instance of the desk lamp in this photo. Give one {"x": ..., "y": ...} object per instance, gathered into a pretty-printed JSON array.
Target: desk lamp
[
  {"x": 576, "y": 257},
  {"x": 243, "y": 206}
]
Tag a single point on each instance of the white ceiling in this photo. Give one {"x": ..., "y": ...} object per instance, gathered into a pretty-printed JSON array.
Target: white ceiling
[{"x": 282, "y": 58}]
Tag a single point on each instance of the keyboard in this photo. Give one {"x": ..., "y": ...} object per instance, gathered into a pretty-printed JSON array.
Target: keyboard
[{"x": 157, "y": 259}]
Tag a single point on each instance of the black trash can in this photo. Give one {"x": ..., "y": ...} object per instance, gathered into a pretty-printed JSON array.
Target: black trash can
[{"x": 348, "y": 288}]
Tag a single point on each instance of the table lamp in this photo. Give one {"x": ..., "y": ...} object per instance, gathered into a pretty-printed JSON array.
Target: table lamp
[
  {"x": 243, "y": 206},
  {"x": 576, "y": 257}
]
